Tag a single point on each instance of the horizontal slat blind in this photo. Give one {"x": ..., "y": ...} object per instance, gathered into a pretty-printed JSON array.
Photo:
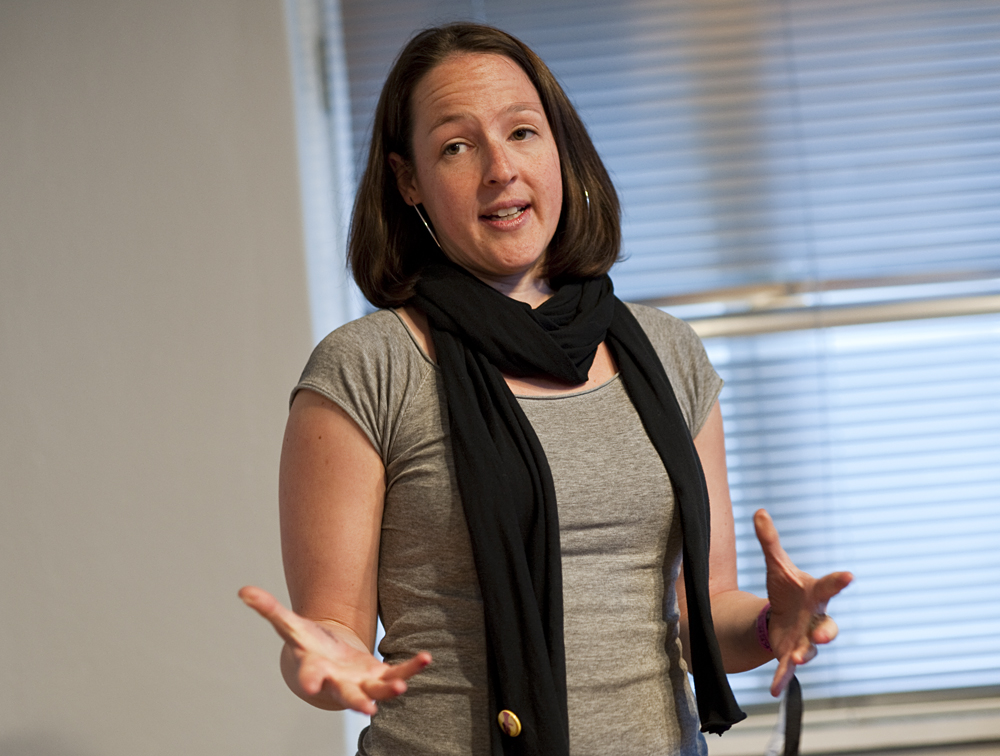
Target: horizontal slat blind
[
  {"x": 763, "y": 141},
  {"x": 374, "y": 33},
  {"x": 876, "y": 447},
  {"x": 803, "y": 141}
]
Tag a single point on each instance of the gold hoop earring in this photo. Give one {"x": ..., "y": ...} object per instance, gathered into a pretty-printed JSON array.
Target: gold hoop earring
[{"x": 427, "y": 226}]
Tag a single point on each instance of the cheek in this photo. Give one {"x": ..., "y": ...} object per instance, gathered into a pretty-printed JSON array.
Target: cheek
[
  {"x": 555, "y": 186},
  {"x": 447, "y": 194}
]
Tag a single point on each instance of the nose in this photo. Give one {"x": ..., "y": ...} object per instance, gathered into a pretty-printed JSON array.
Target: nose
[{"x": 498, "y": 168}]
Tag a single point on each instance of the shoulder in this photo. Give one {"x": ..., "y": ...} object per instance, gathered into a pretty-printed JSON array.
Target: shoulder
[
  {"x": 664, "y": 330},
  {"x": 376, "y": 347},
  {"x": 373, "y": 334},
  {"x": 372, "y": 368},
  {"x": 695, "y": 382}
]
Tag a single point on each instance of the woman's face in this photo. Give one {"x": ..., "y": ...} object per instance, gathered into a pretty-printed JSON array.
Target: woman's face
[{"x": 485, "y": 166}]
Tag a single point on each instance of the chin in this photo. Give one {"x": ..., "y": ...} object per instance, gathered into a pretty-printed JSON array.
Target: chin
[{"x": 519, "y": 263}]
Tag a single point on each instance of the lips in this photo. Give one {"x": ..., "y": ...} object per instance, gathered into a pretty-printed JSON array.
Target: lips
[{"x": 506, "y": 213}]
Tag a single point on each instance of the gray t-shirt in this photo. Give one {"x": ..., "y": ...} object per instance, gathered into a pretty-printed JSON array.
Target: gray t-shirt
[{"x": 628, "y": 689}]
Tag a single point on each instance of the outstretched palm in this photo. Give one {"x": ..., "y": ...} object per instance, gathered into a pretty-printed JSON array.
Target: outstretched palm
[
  {"x": 339, "y": 673},
  {"x": 798, "y": 604}
]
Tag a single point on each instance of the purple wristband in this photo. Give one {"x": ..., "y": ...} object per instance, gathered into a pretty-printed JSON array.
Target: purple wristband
[{"x": 762, "y": 621}]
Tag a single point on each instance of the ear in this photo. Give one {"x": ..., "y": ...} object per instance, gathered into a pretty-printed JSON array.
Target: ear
[{"x": 405, "y": 179}]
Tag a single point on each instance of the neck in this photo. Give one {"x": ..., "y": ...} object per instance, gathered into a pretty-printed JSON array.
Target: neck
[{"x": 529, "y": 289}]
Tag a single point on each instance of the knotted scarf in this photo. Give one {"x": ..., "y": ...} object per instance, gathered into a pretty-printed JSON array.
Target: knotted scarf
[{"x": 509, "y": 498}]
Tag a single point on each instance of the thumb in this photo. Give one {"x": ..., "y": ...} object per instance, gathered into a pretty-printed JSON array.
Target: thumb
[
  {"x": 767, "y": 535},
  {"x": 258, "y": 599},
  {"x": 285, "y": 622}
]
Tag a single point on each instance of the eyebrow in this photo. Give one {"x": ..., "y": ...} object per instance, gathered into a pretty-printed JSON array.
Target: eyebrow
[{"x": 517, "y": 107}]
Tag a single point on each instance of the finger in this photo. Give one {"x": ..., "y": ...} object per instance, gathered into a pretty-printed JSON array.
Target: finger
[
  {"x": 353, "y": 697},
  {"x": 767, "y": 535},
  {"x": 804, "y": 654},
  {"x": 786, "y": 668},
  {"x": 830, "y": 585},
  {"x": 392, "y": 680},
  {"x": 380, "y": 690},
  {"x": 257, "y": 599},
  {"x": 409, "y": 668},
  {"x": 317, "y": 676},
  {"x": 314, "y": 673},
  {"x": 824, "y": 631},
  {"x": 287, "y": 624}
]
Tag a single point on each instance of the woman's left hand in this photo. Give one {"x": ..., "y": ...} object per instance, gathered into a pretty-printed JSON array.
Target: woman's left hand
[{"x": 798, "y": 605}]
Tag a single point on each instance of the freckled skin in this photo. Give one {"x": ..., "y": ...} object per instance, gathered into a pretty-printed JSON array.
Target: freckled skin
[{"x": 482, "y": 142}]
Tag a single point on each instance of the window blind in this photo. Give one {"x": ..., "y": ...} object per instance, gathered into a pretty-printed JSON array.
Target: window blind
[
  {"x": 842, "y": 154},
  {"x": 876, "y": 447}
]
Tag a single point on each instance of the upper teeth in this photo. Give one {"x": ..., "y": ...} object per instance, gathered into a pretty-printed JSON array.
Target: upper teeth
[{"x": 504, "y": 212}]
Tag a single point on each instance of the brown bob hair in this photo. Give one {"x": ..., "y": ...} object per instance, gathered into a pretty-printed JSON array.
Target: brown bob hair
[{"x": 388, "y": 245}]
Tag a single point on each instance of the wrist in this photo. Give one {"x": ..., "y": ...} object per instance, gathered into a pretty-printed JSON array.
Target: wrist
[{"x": 763, "y": 628}]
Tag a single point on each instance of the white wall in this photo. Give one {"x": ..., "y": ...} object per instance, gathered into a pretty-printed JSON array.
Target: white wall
[{"x": 153, "y": 317}]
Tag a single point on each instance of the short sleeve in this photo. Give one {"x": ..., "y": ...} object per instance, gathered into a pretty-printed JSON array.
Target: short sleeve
[
  {"x": 692, "y": 377},
  {"x": 366, "y": 367}
]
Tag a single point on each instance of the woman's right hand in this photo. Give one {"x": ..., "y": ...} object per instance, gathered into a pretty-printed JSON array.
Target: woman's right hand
[{"x": 328, "y": 669}]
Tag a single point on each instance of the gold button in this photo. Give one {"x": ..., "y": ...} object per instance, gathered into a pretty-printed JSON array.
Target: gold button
[{"x": 509, "y": 723}]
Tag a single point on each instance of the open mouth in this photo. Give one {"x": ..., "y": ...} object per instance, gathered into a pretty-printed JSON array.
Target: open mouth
[{"x": 507, "y": 213}]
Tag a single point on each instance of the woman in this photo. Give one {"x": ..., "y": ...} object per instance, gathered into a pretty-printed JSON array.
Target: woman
[{"x": 501, "y": 461}]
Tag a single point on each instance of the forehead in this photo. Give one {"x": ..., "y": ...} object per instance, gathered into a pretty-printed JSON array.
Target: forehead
[{"x": 472, "y": 84}]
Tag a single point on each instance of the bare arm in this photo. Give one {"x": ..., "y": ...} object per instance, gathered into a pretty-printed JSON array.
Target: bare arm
[
  {"x": 330, "y": 493},
  {"x": 796, "y": 597},
  {"x": 331, "y": 490}
]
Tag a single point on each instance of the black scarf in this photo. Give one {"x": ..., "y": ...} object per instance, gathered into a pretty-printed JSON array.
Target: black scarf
[{"x": 508, "y": 495}]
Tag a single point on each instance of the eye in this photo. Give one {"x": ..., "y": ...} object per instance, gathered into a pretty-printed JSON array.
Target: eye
[
  {"x": 455, "y": 148},
  {"x": 519, "y": 135}
]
